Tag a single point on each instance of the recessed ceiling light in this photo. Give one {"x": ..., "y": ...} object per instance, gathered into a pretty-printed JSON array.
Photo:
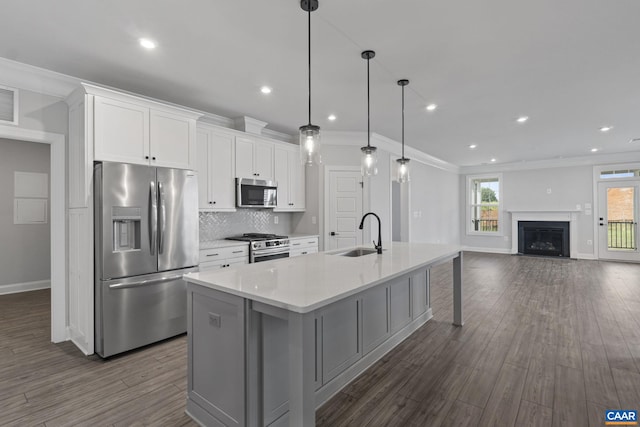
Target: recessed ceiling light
[
  {"x": 432, "y": 107},
  {"x": 473, "y": 146},
  {"x": 147, "y": 43},
  {"x": 593, "y": 150},
  {"x": 522, "y": 119},
  {"x": 606, "y": 128},
  {"x": 265, "y": 89},
  {"x": 332, "y": 117},
  {"x": 493, "y": 160}
]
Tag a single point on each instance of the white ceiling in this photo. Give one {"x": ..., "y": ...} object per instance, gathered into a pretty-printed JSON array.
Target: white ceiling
[{"x": 572, "y": 66}]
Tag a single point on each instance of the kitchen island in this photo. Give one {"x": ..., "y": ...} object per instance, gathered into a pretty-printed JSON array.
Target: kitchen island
[{"x": 270, "y": 342}]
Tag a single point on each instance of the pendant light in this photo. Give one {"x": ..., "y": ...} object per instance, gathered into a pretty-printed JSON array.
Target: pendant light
[
  {"x": 403, "y": 162},
  {"x": 369, "y": 164},
  {"x": 309, "y": 134}
]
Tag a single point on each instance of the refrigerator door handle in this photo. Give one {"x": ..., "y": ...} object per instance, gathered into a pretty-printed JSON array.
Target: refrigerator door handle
[
  {"x": 144, "y": 282},
  {"x": 153, "y": 218},
  {"x": 162, "y": 217}
]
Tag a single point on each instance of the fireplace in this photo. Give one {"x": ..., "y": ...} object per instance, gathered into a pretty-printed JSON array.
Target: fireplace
[{"x": 548, "y": 238}]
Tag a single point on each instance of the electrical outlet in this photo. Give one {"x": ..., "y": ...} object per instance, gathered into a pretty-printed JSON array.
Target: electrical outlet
[
  {"x": 589, "y": 242},
  {"x": 506, "y": 238},
  {"x": 578, "y": 207},
  {"x": 548, "y": 191},
  {"x": 314, "y": 220},
  {"x": 275, "y": 219}
]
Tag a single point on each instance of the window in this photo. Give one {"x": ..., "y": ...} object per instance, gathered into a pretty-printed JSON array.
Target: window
[
  {"x": 622, "y": 173},
  {"x": 484, "y": 204}
]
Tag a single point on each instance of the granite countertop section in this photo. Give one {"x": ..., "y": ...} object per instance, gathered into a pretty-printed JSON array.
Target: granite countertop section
[
  {"x": 221, "y": 244},
  {"x": 305, "y": 284}
]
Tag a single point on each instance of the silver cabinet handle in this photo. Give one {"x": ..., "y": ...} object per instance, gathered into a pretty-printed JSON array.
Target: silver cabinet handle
[
  {"x": 237, "y": 252},
  {"x": 213, "y": 254}
]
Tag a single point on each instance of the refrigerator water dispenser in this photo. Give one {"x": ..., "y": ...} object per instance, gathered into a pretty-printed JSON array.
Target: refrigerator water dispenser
[{"x": 126, "y": 228}]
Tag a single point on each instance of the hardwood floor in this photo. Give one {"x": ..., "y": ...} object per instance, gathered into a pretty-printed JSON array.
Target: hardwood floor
[{"x": 546, "y": 342}]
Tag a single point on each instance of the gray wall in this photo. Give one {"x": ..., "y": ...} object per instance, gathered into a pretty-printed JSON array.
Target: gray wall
[
  {"x": 434, "y": 205},
  {"x": 43, "y": 112},
  {"x": 527, "y": 189},
  {"x": 25, "y": 249}
]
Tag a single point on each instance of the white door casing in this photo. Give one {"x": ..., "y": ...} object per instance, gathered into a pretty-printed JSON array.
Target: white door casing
[
  {"x": 343, "y": 209},
  {"x": 623, "y": 248}
]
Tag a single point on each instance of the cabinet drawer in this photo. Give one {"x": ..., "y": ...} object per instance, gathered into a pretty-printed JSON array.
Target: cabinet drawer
[
  {"x": 307, "y": 242},
  {"x": 302, "y": 251},
  {"x": 214, "y": 254},
  {"x": 222, "y": 263}
]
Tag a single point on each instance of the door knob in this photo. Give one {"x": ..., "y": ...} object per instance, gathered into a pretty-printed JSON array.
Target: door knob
[{"x": 333, "y": 233}]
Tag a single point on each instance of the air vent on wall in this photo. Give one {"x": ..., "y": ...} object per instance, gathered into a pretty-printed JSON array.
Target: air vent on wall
[{"x": 8, "y": 105}]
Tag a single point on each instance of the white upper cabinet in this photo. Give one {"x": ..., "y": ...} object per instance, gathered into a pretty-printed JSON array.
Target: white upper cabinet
[
  {"x": 132, "y": 130},
  {"x": 254, "y": 159},
  {"x": 121, "y": 131},
  {"x": 289, "y": 174},
  {"x": 215, "y": 166}
]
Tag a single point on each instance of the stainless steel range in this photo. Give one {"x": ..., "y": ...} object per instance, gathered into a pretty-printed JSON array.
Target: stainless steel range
[{"x": 265, "y": 247}]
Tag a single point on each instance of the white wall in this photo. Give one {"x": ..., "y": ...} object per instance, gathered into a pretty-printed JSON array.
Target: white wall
[
  {"x": 25, "y": 249},
  {"x": 528, "y": 190}
]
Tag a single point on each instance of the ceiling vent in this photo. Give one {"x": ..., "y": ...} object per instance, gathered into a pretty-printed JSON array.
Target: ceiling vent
[{"x": 8, "y": 105}]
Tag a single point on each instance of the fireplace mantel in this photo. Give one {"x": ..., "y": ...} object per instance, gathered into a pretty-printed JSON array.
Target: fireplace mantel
[{"x": 570, "y": 215}]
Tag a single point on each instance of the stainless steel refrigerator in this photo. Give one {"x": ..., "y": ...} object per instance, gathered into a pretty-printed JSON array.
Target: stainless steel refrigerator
[{"x": 146, "y": 239}]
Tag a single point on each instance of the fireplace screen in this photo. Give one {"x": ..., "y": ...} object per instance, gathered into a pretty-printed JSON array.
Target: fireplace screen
[{"x": 548, "y": 238}]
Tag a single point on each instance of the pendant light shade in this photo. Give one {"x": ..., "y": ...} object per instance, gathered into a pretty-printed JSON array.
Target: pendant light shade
[
  {"x": 369, "y": 163},
  {"x": 403, "y": 162},
  {"x": 310, "y": 143}
]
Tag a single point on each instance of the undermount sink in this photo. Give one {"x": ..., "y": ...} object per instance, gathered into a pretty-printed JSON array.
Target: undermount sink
[{"x": 356, "y": 252}]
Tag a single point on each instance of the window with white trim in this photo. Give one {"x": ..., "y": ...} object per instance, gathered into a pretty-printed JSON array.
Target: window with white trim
[{"x": 484, "y": 204}]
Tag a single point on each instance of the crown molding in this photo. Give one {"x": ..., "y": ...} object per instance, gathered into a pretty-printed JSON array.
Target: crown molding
[
  {"x": 280, "y": 136},
  {"x": 359, "y": 139},
  {"x": 595, "y": 159},
  {"x": 35, "y": 79}
]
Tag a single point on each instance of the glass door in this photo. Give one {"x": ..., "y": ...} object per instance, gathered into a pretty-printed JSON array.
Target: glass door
[{"x": 618, "y": 220}]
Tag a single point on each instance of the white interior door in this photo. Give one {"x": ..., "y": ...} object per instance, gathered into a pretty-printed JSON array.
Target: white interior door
[
  {"x": 618, "y": 209},
  {"x": 344, "y": 210}
]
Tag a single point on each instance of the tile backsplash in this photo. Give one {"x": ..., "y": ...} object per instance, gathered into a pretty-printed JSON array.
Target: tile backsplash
[{"x": 218, "y": 225}]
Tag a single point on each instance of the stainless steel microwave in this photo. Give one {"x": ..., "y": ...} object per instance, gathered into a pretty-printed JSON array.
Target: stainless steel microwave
[{"x": 256, "y": 193}]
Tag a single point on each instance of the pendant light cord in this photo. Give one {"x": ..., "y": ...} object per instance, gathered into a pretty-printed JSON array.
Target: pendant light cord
[
  {"x": 368, "y": 108},
  {"x": 403, "y": 122},
  {"x": 309, "y": 45}
]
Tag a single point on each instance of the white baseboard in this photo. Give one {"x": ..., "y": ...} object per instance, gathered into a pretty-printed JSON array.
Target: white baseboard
[
  {"x": 24, "y": 287},
  {"x": 504, "y": 251},
  {"x": 585, "y": 256}
]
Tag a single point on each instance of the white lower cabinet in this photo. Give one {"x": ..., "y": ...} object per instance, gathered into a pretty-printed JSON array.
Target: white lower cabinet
[
  {"x": 302, "y": 246},
  {"x": 216, "y": 258}
]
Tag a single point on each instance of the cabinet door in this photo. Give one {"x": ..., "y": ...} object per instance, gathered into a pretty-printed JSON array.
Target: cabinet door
[
  {"x": 400, "y": 302},
  {"x": 172, "y": 140},
  {"x": 121, "y": 131},
  {"x": 296, "y": 181},
  {"x": 203, "y": 169},
  {"x": 263, "y": 160},
  {"x": 419, "y": 287},
  {"x": 375, "y": 317},
  {"x": 281, "y": 164},
  {"x": 222, "y": 172},
  {"x": 340, "y": 340},
  {"x": 244, "y": 158}
]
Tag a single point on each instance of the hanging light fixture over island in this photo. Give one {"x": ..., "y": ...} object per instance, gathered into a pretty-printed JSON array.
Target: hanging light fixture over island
[
  {"x": 403, "y": 162},
  {"x": 369, "y": 163},
  {"x": 310, "y": 134}
]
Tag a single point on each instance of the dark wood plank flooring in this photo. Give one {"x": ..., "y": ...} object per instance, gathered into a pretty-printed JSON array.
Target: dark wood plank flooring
[{"x": 546, "y": 342}]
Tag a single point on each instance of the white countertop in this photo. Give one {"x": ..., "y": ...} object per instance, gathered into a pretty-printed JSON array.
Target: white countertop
[
  {"x": 221, "y": 244},
  {"x": 304, "y": 284}
]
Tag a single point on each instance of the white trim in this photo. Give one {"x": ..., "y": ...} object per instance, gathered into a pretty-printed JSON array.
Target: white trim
[
  {"x": 502, "y": 251},
  {"x": 358, "y": 139},
  {"x": 16, "y": 103},
  {"x": 58, "y": 222},
  {"x": 24, "y": 287},
  {"x": 580, "y": 255},
  {"x": 595, "y": 159},
  {"x": 35, "y": 79}
]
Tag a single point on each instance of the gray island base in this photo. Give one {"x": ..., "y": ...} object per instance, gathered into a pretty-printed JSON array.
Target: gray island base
[{"x": 270, "y": 342}]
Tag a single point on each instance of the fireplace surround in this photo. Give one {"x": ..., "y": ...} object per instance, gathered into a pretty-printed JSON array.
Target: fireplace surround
[{"x": 561, "y": 215}]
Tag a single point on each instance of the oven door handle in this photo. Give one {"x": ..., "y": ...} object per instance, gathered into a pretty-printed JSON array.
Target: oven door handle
[{"x": 268, "y": 253}]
